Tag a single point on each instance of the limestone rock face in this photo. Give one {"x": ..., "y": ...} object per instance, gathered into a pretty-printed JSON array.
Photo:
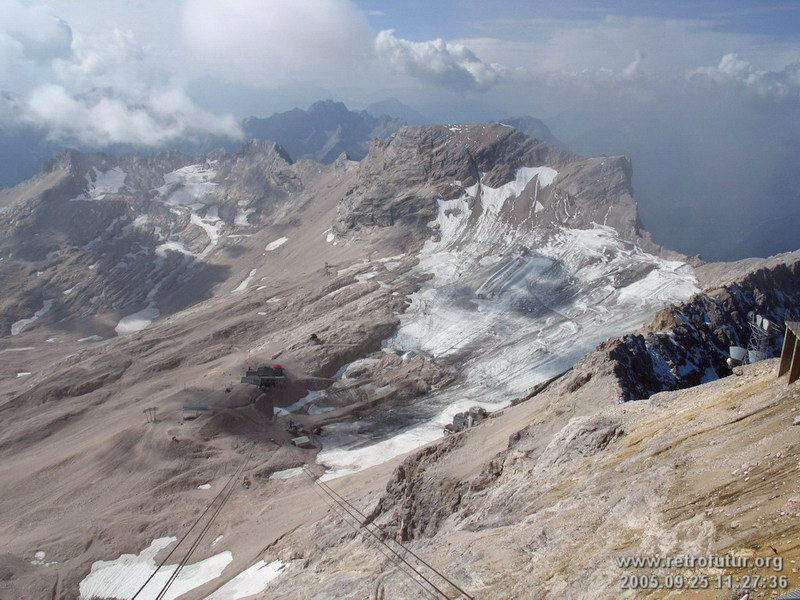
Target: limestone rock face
[
  {"x": 688, "y": 344},
  {"x": 404, "y": 175}
]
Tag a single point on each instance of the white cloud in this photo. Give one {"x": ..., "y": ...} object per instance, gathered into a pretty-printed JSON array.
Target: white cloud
[
  {"x": 437, "y": 62},
  {"x": 92, "y": 88},
  {"x": 37, "y": 34},
  {"x": 274, "y": 43},
  {"x": 667, "y": 47},
  {"x": 101, "y": 119},
  {"x": 277, "y": 42},
  {"x": 732, "y": 70},
  {"x": 634, "y": 69}
]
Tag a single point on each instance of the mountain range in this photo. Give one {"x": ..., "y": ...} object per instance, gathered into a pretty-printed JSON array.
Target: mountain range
[
  {"x": 322, "y": 132},
  {"x": 453, "y": 268}
]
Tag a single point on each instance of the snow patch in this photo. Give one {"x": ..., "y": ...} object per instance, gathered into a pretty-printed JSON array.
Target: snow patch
[
  {"x": 192, "y": 187},
  {"x": 243, "y": 286},
  {"x": 348, "y": 453},
  {"x": 91, "y": 338},
  {"x": 38, "y": 559},
  {"x": 189, "y": 186},
  {"x": 253, "y": 580},
  {"x": 286, "y": 473},
  {"x": 276, "y": 244},
  {"x": 162, "y": 249},
  {"x": 212, "y": 225},
  {"x": 241, "y": 217},
  {"x": 19, "y": 349},
  {"x": 137, "y": 321},
  {"x": 101, "y": 184},
  {"x": 17, "y": 327},
  {"x": 121, "y": 578},
  {"x": 142, "y": 319},
  {"x": 309, "y": 397}
]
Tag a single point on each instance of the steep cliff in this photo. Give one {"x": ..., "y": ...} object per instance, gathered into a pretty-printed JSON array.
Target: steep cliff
[{"x": 688, "y": 344}]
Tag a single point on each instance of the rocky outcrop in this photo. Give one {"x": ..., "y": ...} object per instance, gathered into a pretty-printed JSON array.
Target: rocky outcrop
[
  {"x": 404, "y": 175},
  {"x": 689, "y": 344},
  {"x": 416, "y": 501}
]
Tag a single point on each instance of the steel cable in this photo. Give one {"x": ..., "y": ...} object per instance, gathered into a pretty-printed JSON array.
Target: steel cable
[
  {"x": 186, "y": 535},
  {"x": 382, "y": 530},
  {"x": 346, "y": 506}
]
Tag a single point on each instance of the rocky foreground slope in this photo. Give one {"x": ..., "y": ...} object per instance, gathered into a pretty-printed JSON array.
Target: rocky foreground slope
[
  {"x": 452, "y": 267},
  {"x": 541, "y": 500}
]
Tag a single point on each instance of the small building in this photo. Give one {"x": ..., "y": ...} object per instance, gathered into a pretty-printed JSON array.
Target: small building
[
  {"x": 302, "y": 442},
  {"x": 790, "y": 354},
  {"x": 265, "y": 377}
]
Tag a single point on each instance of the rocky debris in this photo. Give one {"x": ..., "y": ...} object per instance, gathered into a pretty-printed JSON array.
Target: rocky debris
[
  {"x": 719, "y": 274},
  {"x": 688, "y": 344},
  {"x": 287, "y": 555},
  {"x": 581, "y": 437},
  {"x": 415, "y": 504},
  {"x": 390, "y": 379},
  {"x": 578, "y": 381},
  {"x": 569, "y": 497},
  {"x": 465, "y": 420},
  {"x": 541, "y": 387}
]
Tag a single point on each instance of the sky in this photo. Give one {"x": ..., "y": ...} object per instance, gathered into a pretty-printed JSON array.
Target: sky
[{"x": 704, "y": 96}]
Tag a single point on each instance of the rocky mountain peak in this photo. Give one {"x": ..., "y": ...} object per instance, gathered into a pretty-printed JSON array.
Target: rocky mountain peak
[
  {"x": 266, "y": 149},
  {"x": 533, "y": 127},
  {"x": 323, "y": 131},
  {"x": 405, "y": 175},
  {"x": 328, "y": 107}
]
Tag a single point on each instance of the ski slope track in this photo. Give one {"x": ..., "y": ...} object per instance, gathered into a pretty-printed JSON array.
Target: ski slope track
[{"x": 510, "y": 305}]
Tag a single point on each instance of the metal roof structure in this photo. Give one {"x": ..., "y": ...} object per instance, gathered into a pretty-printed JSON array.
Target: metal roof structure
[
  {"x": 790, "y": 354},
  {"x": 793, "y": 595},
  {"x": 265, "y": 377}
]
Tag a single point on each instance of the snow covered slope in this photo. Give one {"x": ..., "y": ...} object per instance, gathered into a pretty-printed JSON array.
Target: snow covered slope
[{"x": 511, "y": 304}]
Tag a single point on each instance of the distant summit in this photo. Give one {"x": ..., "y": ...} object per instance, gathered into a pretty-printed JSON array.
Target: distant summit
[
  {"x": 394, "y": 108},
  {"x": 535, "y": 128},
  {"x": 323, "y": 132}
]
